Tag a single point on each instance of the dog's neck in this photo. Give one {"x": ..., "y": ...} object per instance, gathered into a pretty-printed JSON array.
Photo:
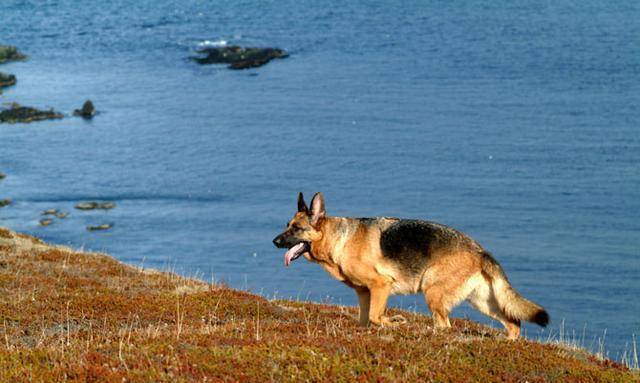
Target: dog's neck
[{"x": 336, "y": 232}]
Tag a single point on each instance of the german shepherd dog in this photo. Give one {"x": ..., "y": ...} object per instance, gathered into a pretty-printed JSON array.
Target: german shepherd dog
[{"x": 378, "y": 257}]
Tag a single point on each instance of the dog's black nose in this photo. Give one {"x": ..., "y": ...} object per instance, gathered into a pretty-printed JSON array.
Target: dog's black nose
[{"x": 278, "y": 241}]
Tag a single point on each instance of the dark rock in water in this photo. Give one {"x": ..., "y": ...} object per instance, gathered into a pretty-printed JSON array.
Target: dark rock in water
[
  {"x": 45, "y": 221},
  {"x": 104, "y": 226},
  {"x": 86, "y": 205},
  {"x": 17, "y": 113},
  {"x": 50, "y": 212},
  {"x": 5, "y": 202},
  {"x": 87, "y": 111},
  {"x": 238, "y": 57},
  {"x": 107, "y": 205},
  {"x": 2, "y": 175},
  {"x": 95, "y": 205},
  {"x": 7, "y": 80},
  {"x": 8, "y": 52},
  {"x": 61, "y": 215}
]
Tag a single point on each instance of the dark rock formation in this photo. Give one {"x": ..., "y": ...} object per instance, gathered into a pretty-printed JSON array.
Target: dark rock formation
[
  {"x": 2, "y": 176},
  {"x": 17, "y": 113},
  {"x": 238, "y": 57},
  {"x": 55, "y": 212},
  {"x": 104, "y": 226},
  {"x": 46, "y": 221},
  {"x": 5, "y": 202},
  {"x": 6, "y": 80},
  {"x": 87, "y": 111},
  {"x": 95, "y": 205},
  {"x": 8, "y": 52}
]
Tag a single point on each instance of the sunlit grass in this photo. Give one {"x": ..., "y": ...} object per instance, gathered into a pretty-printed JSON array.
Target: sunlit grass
[{"x": 71, "y": 316}]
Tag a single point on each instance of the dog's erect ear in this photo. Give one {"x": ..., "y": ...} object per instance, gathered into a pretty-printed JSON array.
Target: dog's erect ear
[
  {"x": 302, "y": 206},
  {"x": 317, "y": 208}
]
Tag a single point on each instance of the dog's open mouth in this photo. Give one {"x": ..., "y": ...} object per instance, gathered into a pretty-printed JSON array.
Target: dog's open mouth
[{"x": 294, "y": 252}]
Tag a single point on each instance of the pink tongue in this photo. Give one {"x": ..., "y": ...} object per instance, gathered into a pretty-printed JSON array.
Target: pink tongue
[{"x": 292, "y": 253}]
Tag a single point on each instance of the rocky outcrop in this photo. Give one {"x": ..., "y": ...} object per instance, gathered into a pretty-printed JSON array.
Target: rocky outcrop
[
  {"x": 104, "y": 226},
  {"x": 7, "y": 80},
  {"x": 17, "y": 113},
  {"x": 87, "y": 111},
  {"x": 238, "y": 57},
  {"x": 95, "y": 205},
  {"x": 5, "y": 202},
  {"x": 8, "y": 53}
]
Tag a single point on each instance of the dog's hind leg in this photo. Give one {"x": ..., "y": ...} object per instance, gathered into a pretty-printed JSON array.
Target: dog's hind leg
[
  {"x": 447, "y": 282},
  {"x": 483, "y": 299},
  {"x": 439, "y": 304},
  {"x": 364, "y": 298}
]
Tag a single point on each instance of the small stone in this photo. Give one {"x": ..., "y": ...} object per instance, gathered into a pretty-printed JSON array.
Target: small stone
[
  {"x": 45, "y": 222},
  {"x": 106, "y": 205},
  {"x": 5, "y": 202},
  {"x": 50, "y": 212},
  {"x": 95, "y": 205},
  {"x": 86, "y": 205},
  {"x": 7, "y": 80},
  {"x": 87, "y": 111},
  {"x": 104, "y": 226},
  {"x": 62, "y": 215}
]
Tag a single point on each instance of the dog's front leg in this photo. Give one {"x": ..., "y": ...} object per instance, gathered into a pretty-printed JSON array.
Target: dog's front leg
[
  {"x": 364, "y": 298},
  {"x": 379, "y": 296}
]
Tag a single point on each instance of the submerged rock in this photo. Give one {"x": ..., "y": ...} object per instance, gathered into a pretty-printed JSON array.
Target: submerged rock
[
  {"x": 46, "y": 221},
  {"x": 104, "y": 226},
  {"x": 8, "y": 52},
  {"x": 17, "y": 113},
  {"x": 7, "y": 80},
  {"x": 238, "y": 57},
  {"x": 95, "y": 205},
  {"x": 55, "y": 212},
  {"x": 87, "y": 111},
  {"x": 5, "y": 202}
]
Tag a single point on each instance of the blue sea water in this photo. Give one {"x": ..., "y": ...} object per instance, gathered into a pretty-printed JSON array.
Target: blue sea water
[{"x": 515, "y": 122}]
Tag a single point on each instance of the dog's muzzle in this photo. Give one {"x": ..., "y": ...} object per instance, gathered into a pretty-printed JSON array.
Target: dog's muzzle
[{"x": 279, "y": 242}]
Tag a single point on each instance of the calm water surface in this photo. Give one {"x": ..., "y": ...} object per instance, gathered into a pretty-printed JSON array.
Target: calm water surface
[{"x": 517, "y": 123}]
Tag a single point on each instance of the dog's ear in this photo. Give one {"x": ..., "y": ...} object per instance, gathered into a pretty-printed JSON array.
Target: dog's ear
[
  {"x": 317, "y": 208},
  {"x": 302, "y": 206}
]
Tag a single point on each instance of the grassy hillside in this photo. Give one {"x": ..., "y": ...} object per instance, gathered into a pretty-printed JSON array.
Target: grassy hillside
[{"x": 70, "y": 316}]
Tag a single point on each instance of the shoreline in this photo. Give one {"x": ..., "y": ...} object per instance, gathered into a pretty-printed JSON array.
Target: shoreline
[{"x": 74, "y": 316}]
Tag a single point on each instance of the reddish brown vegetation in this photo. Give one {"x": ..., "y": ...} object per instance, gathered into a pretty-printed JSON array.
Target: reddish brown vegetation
[{"x": 68, "y": 316}]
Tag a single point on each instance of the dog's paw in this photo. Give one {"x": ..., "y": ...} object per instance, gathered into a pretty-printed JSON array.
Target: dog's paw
[
  {"x": 393, "y": 321},
  {"x": 398, "y": 319}
]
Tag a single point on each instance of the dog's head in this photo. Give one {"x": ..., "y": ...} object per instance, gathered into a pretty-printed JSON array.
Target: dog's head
[{"x": 303, "y": 229}]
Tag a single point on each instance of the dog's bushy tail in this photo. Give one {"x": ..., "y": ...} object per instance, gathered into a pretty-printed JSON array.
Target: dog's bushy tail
[{"x": 511, "y": 303}]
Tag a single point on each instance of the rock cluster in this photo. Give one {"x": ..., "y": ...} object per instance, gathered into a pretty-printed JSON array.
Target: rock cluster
[
  {"x": 87, "y": 111},
  {"x": 9, "y": 53},
  {"x": 238, "y": 57},
  {"x": 95, "y": 205},
  {"x": 18, "y": 113},
  {"x": 7, "y": 80}
]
